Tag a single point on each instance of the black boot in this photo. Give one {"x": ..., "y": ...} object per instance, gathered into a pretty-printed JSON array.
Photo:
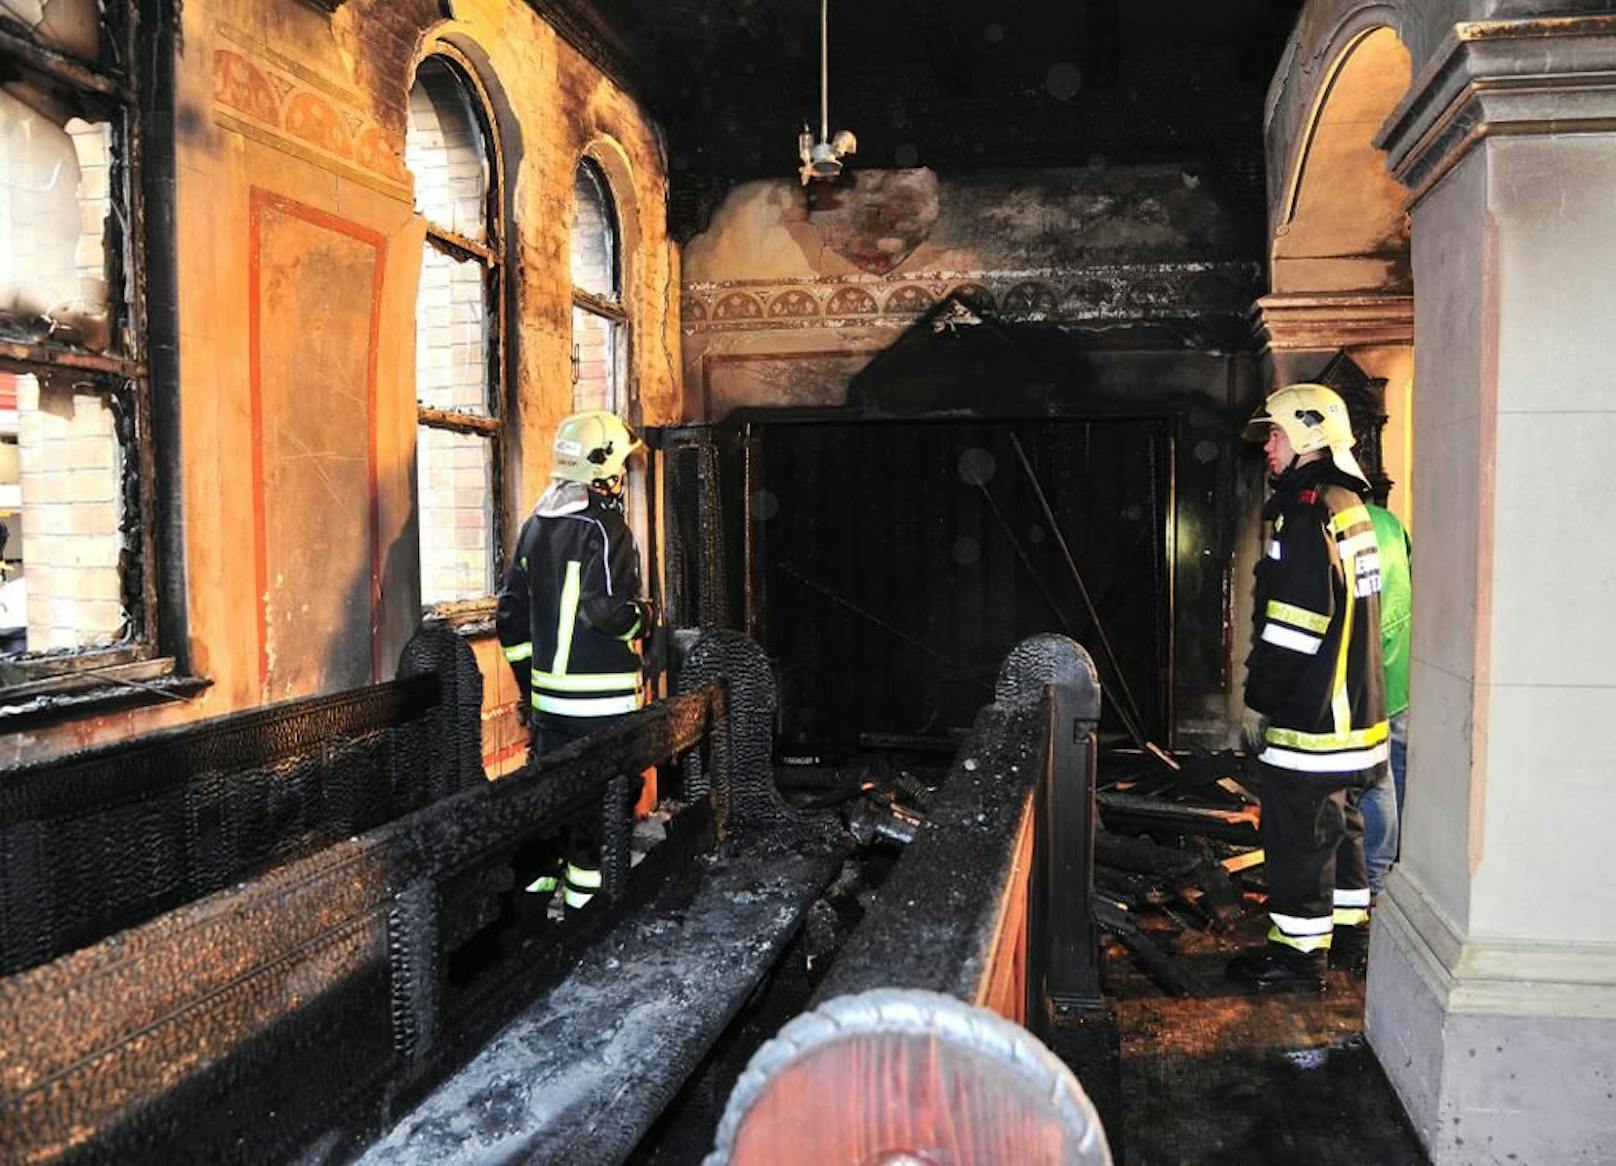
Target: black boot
[
  {"x": 1277, "y": 968},
  {"x": 1349, "y": 950}
]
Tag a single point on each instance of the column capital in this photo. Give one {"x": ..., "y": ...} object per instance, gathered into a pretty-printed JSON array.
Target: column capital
[
  {"x": 1288, "y": 321},
  {"x": 1552, "y": 75}
]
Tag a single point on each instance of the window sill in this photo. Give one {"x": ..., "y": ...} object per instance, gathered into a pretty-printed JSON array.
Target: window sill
[
  {"x": 95, "y": 691},
  {"x": 470, "y": 618}
]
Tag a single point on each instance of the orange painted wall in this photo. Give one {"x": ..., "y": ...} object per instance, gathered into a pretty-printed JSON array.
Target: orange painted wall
[{"x": 299, "y": 255}]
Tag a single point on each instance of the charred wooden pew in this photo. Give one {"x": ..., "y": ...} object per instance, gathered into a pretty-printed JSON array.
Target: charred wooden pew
[
  {"x": 102, "y": 840},
  {"x": 369, "y": 986},
  {"x": 580, "y": 1074},
  {"x": 987, "y": 912}
]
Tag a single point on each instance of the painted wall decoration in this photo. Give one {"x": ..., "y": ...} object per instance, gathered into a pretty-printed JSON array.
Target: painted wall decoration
[
  {"x": 315, "y": 119},
  {"x": 1117, "y": 292},
  {"x": 262, "y": 95},
  {"x": 314, "y": 291},
  {"x": 241, "y": 85}
]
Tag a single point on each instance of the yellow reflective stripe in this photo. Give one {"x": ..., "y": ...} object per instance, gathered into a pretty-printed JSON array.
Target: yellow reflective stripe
[
  {"x": 1303, "y": 943},
  {"x": 632, "y": 632},
  {"x": 1324, "y": 742},
  {"x": 544, "y": 884},
  {"x": 583, "y": 878},
  {"x": 1299, "y": 616},
  {"x": 1342, "y": 519},
  {"x": 1340, "y": 702},
  {"x": 567, "y": 618},
  {"x": 1349, "y": 917},
  {"x": 587, "y": 681},
  {"x": 519, "y": 652}
]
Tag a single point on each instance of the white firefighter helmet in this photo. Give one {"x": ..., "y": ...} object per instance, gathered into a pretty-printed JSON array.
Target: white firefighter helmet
[
  {"x": 592, "y": 448},
  {"x": 1313, "y": 417}
]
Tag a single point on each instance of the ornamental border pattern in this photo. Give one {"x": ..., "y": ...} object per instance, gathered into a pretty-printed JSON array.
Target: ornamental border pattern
[
  {"x": 1111, "y": 293},
  {"x": 263, "y": 96}
]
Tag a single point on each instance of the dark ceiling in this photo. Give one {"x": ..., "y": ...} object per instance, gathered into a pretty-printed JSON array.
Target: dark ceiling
[{"x": 949, "y": 84}]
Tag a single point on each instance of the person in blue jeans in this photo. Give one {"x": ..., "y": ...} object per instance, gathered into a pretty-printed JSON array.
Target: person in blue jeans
[{"x": 1382, "y": 803}]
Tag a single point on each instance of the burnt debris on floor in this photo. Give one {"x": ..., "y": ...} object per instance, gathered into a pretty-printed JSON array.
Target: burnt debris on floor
[
  {"x": 1176, "y": 850},
  {"x": 1209, "y": 1074}
]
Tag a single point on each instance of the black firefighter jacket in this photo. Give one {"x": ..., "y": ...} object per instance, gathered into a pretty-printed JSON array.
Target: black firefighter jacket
[
  {"x": 1314, "y": 671},
  {"x": 567, "y": 612}
]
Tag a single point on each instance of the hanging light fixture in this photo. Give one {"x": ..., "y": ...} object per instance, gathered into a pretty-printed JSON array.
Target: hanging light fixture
[{"x": 823, "y": 159}]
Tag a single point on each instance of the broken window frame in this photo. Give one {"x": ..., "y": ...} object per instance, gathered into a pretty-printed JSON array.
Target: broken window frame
[
  {"x": 608, "y": 307},
  {"x": 106, "y": 90},
  {"x": 476, "y": 615}
]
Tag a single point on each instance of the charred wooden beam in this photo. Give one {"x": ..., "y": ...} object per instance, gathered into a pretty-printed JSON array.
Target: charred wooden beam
[{"x": 1129, "y": 811}]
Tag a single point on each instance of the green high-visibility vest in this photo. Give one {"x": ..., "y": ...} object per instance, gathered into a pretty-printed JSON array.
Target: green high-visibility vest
[{"x": 1396, "y": 605}]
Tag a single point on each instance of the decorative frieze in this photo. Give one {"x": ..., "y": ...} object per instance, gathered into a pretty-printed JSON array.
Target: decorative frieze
[
  {"x": 261, "y": 95},
  {"x": 1114, "y": 293}
]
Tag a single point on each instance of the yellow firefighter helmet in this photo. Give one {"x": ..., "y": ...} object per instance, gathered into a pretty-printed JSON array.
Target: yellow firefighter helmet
[
  {"x": 1313, "y": 417},
  {"x": 592, "y": 448}
]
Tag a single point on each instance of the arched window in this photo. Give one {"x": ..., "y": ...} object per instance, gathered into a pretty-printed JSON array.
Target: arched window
[
  {"x": 599, "y": 324},
  {"x": 450, "y": 150}
]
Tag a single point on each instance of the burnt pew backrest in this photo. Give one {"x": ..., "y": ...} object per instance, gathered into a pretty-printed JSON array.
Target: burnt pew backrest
[
  {"x": 279, "y": 1018},
  {"x": 102, "y": 840},
  {"x": 985, "y": 917},
  {"x": 989, "y": 903}
]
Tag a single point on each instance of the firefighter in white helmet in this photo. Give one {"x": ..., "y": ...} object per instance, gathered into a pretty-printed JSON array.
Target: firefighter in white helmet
[
  {"x": 570, "y": 612},
  {"x": 1314, "y": 679}
]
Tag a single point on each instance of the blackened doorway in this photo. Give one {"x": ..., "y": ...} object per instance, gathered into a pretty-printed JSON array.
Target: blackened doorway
[{"x": 891, "y": 565}]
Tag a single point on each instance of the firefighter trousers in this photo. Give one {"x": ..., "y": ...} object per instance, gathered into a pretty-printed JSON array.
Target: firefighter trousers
[
  {"x": 550, "y": 733},
  {"x": 1313, "y": 849}
]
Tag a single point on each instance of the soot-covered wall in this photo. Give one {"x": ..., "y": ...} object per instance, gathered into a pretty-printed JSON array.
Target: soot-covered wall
[{"x": 1097, "y": 291}]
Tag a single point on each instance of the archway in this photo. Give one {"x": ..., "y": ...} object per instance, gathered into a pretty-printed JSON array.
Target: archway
[{"x": 1340, "y": 275}]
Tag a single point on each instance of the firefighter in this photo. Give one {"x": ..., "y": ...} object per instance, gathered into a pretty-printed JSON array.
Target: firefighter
[
  {"x": 1314, "y": 690},
  {"x": 570, "y": 613}
]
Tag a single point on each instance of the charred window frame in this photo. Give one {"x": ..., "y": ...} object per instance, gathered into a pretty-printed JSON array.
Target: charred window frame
[
  {"x": 599, "y": 319},
  {"x": 451, "y": 591},
  {"x": 87, "y": 354}
]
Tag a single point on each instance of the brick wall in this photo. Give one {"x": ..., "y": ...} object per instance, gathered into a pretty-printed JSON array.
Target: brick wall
[{"x": 71, "y": 468}]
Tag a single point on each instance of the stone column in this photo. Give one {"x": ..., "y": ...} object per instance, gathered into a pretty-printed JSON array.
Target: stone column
[{"x": 1492, "y": 986}]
